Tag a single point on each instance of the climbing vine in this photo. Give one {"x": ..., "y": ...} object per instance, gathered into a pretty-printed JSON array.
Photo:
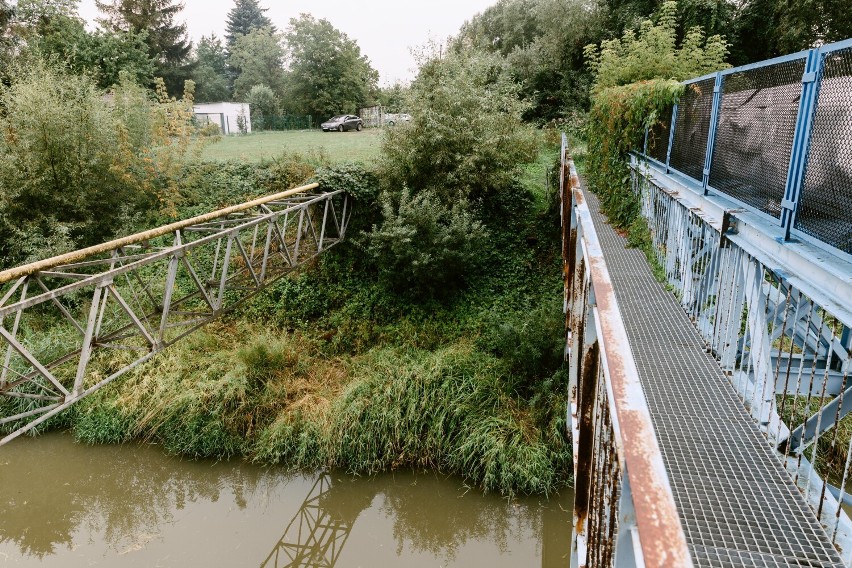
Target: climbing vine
[{"x": 617, "y": 122}]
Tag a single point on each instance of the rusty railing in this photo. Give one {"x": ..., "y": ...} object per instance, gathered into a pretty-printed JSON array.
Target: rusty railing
[{"x": 624, "y": 510}]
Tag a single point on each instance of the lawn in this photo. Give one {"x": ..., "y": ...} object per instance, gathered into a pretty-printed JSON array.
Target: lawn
[{"x": 338, "y": 146}]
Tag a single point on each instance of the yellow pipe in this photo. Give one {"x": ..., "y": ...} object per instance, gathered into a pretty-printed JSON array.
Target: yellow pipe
[{"x": 77, "y": 255}]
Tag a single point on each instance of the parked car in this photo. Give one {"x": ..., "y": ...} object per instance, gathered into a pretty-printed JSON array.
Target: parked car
[
  {"x": 343, "y": 122},
  {"x": 391, "y": 118}
]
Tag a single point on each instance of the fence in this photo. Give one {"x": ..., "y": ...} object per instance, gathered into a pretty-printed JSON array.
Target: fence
[
  {"x": 775, "y": 137},
  {"x": 616, "y": 454},
  {"x": 286, "y": 122},
  {"x": 748, "y": 160}
]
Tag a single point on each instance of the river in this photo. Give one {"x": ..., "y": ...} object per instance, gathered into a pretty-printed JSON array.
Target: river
[{"x": 69, "y": 505}]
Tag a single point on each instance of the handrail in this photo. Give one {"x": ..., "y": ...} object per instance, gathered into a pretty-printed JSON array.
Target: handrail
[{"x": 658, "y": 527}]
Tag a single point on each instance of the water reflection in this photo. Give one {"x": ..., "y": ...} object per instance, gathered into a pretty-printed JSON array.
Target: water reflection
[{"x": 62, "y": 504}]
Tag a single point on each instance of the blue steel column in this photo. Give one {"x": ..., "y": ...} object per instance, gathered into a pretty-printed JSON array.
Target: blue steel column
[
  {"x": 711, "y": 135},
  {"x": 801, "y": 140},
  {"x": 671, "y": 137}
]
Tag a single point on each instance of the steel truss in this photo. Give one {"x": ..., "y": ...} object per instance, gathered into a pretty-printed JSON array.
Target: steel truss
[
  {"x": 775, "y": 314},
  {"x": 315, "y": 536},
  {"x": 72, "y": 324}
]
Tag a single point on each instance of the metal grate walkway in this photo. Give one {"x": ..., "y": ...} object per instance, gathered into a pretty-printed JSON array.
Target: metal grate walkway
[{"x": 738, "y": 505}]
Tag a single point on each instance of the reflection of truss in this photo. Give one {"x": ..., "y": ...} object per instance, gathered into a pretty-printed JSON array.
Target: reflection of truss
[
  {"x": 137, "y": 295},
  {"x": 314, "y": 538}
]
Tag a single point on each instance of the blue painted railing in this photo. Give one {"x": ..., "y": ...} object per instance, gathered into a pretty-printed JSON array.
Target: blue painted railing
[{"x": 828, "y": 223}]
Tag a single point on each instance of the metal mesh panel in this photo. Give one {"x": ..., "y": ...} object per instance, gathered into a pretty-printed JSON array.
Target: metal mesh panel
[
  {"x": 825, "y": 207},
  {"x": 692, "y": 127},
  {"x": 658, "y": 136},
  {"x": 754, "y": 135}
]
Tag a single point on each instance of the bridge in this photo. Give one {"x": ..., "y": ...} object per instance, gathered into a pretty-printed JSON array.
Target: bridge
[
  {"x": 707, "y": 409},
  {"x": 111, "y": 307}
]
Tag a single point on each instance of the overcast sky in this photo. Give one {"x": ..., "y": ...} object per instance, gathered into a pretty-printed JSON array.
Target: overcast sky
[{"x": 384, "y": 29}]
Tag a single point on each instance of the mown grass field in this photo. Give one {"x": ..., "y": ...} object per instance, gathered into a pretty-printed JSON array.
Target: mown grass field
[{"x": 338, "y": 146}]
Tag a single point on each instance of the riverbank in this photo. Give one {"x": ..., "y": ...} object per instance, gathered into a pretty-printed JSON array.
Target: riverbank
[{"x": 332, "y": 368}]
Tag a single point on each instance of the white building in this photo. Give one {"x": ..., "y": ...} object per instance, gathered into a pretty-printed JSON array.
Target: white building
[{"x": 231, "y": 118}]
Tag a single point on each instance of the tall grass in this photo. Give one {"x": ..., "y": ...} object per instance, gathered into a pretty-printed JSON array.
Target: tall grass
[{"x": 277, "y": 400}]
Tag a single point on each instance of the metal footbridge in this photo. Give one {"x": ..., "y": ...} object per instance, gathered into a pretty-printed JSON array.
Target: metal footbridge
[
  {"x": 71, "y": 324},
  {"x": 709, "y": 410}
]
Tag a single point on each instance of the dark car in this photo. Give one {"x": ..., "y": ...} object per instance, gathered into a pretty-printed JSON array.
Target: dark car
[{"x": 343, "y": 122}]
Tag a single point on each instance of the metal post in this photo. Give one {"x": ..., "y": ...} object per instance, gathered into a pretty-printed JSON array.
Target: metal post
[
  {"x": 88, "y": 339},
  {"x": 5, "y": 370},
  {"x": 671, "y": 138},
  {"x": 174, "y": 261},
  {"x": 711, "y": 135},
  {"x": 801, "y": 140}
]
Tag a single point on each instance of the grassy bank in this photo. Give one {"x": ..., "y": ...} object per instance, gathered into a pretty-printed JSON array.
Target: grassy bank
[{"x": 330, "y": 368}]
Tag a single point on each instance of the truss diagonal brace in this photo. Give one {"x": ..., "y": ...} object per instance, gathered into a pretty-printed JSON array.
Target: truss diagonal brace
[{"x": 822, "y": 421}]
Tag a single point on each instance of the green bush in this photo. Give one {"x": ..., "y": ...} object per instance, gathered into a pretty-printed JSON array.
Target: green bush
[
  {"x": 423, "y": 246},
  {"x": 61, "y": 176},
  {"x": 654, "y": 53},
  {"x": 617, "y": 123},
  {"x": 466, "y": 139}
]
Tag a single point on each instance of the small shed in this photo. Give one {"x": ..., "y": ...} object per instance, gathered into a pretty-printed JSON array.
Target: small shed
[{"x": 231, "y": 118}]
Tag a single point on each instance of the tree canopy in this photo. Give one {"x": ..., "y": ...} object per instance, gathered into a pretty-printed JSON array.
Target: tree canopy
[
  {"x": 210, "y": 71},
  {"x": 245, "y": 17},
  {"x": 168, "y": 44},
  {"x": 327, "y": 74},
  {"x": 259, "y": 59},
  {"x": 653, "y": 53}
]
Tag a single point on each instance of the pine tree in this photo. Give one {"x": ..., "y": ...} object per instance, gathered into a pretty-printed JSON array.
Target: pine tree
[
  {"x": 245, "y": 17},
  {"x": 168, "y": 44}
]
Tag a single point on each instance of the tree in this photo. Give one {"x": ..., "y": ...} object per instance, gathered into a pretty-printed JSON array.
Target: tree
[
  {"x": 62, "y": 180},
  {"x": 258, "y": 58},
  {"x": 327, "y": 75},
  {"x": 768, "y": 28},
  {"x": 466, "y": 140},
  {"x": 167, "y": 41},
  {"x": 104, "y": 54},
  {"x": 263, "y": 105},
  {"x": 245, "y": 17},
  {"x": 654, "y": 53},
  {"x": 542, "y": 43},
  {"x": 394, "y": 98},
  {"x": 210, "y": 71}
]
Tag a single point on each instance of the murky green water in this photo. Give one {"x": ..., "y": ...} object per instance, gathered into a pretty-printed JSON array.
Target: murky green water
[{"x": 63, "y": 504}]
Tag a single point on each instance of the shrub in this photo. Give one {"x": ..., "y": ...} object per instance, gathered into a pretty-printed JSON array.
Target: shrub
[
  {"x": 654, "y": 54},
  {"x": 75, "y": 169},
  {"x": 423, "y": 246},
  {"x": 617, "y": 122},
  {"x": 466, "y": 139}
]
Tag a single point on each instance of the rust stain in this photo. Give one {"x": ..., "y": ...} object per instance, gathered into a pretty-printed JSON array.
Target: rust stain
[{"x": 661, "y": 535}]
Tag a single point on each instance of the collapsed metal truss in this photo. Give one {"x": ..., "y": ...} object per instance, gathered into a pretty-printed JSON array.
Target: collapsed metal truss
[
  {"x": 776, "y": 315},
  {"x": 72, "y": 324}
]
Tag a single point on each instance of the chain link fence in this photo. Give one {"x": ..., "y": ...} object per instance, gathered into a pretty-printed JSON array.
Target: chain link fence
[
  {"x": 754, "y": 134},
  {"x": 775, "y": 136},
  {"x": 825, "y": 207},
  {"x": 692, "y": 128}
]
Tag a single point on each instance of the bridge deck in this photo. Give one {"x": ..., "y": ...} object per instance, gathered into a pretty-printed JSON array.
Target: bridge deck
[{"x": 737, "y": 503}]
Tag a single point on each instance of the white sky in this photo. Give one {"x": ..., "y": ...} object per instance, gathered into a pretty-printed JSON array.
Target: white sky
[{"x": 384, "y": 29}]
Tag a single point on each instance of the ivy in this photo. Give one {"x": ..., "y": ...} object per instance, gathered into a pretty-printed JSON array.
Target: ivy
[{"x": 617, "y": 122}]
